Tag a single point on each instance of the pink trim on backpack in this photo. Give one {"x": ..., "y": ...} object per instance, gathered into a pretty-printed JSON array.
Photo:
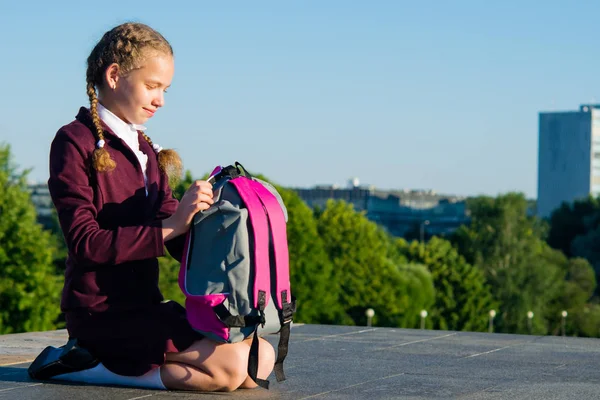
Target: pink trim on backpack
[
  {"x": 202, "y": 317},
  {"x": 279, "y": 237},
  {"x": 258, "y": 220}
]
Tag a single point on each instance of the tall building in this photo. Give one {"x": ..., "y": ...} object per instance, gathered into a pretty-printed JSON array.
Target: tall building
[{"x": 568, "y": 157}]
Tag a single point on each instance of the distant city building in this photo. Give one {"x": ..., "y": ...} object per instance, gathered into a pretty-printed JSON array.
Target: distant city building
[
  {"x": 318, "y": 196},
  {"x": 568, "y": 157},
  {"x": 420, "y": 213},
  {"x": 413, "y": 211},
  {"x": 40, "y": 196}
]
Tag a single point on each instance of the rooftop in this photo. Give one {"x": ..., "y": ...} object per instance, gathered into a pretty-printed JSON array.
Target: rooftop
[{"x": 342, "y": 362}]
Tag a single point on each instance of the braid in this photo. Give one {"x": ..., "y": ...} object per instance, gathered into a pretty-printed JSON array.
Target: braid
[{"x": 101, "y": 158}]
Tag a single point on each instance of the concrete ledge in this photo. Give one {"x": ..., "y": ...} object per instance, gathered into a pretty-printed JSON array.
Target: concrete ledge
[
  {"x": 24, "y": 347},
  {"x": 341, "y": 362}
]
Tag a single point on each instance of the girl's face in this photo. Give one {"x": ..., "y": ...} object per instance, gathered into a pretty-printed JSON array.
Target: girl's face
[{"x": 138, "y": 94}]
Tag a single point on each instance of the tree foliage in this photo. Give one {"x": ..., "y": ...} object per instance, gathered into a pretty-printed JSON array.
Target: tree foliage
[
  {"x": 311, "y": 272},
  {"x": 368, "y": 273},
  {"x": 462, "y": 298},
  {"x": 572, "y": 220},
  {"x": 30, "y": 288},
  {"x": 525, "y": 274},
  {"x": 574, "y": 291}
]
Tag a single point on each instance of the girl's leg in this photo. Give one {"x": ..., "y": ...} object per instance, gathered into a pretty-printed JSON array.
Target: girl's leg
[
  {"x": 265, "y": 352},
  {"x": 210, "y": 366}
]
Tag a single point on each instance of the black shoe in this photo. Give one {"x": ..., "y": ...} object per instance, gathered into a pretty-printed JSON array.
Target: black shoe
[{"x": 54, "y": 361}]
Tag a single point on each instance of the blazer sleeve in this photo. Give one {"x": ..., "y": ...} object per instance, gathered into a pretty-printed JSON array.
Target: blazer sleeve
[
  {"x": 168, "y": 207},
  {"x": 72, "y": 196}
]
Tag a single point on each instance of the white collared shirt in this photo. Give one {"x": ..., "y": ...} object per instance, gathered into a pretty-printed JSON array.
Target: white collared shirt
[{"x": 128, "y": 133}]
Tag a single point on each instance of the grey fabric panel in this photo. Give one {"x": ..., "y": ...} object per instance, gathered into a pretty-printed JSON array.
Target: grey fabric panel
[
  {"x": 221, "y": 254},
  {"x": 272, "y": 317},
  {"x": 240, "y": 260},
  {"x": 239, "y": 334}
]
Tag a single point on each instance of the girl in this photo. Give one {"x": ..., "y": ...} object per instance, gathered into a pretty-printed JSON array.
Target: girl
[{"x": 110, "y": 185}]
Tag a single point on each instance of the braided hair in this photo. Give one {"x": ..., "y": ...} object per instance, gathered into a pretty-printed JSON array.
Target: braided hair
[{"x": 126, "y": 45}]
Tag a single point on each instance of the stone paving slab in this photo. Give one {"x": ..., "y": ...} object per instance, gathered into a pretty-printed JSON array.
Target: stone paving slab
[
  {"x": 341, "y": 362},
  {"x": 24, "y": 347}
]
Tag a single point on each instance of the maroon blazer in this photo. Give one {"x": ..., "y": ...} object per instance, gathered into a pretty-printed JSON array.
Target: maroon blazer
[{"x": 112, "y": 229}]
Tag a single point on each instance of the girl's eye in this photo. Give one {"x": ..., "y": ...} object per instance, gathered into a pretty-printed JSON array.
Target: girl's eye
[{"x": 152, "y": 87}]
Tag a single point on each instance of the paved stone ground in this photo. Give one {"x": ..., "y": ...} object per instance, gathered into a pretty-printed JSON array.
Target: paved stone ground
[{"x": 339, "y": 362}]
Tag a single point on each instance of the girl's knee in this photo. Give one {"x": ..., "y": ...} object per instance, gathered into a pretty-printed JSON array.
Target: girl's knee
[
  {"x": 225, "y": 366},
  {"x": 266, "y": 358},
  {"x": 236, "y": 370},
  {"x": 266, "y": 362}
]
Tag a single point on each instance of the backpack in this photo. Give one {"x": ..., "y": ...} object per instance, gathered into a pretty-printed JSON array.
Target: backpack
[{"x": 235, "y": 267}]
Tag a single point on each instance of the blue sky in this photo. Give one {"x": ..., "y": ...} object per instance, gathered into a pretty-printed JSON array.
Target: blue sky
[{"x": 402, "y": 94}]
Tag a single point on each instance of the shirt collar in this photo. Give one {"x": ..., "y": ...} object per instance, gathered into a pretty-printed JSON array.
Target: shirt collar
[{"x": 116, "y": 124}]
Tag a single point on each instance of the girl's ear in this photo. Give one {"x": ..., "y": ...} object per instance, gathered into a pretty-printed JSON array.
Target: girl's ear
[{"x": 111, "y": 76}]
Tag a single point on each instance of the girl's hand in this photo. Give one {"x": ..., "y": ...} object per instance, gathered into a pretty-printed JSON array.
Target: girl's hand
[{"x": 198, "y": 197}]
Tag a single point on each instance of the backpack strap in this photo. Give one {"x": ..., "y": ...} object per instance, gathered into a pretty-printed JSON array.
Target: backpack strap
[
  {"x": 285, "y": 302},
  {"x": 258, "y": 220},
  {"x": 279, "y": 238}
]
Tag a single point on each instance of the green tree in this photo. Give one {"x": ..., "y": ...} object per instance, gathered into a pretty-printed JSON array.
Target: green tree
[
  {"x": 573, "y": 296},
  {"x": 575, "y": 230},
  {"x": 368, "y": 272},
  {"x": 587, "y": 246},
  {"x": 571, "y": 220},
  {"x": 462, "y": 298},
  {"x": 586, "y": 323},
  {"x": 169, "y": 279},
  {"x": 507, "y": 244},
  {"x": 415, "y": 293},
  {"x": 312, "y": 277},
  {"x": 29, "y": 289}
]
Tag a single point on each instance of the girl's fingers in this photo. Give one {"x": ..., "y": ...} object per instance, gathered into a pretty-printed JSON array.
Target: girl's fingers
[{"x": 203, "y": 197}]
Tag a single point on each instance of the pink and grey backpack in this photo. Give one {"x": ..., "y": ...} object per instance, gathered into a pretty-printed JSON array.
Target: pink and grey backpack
[{"x": 235, "y": 269}]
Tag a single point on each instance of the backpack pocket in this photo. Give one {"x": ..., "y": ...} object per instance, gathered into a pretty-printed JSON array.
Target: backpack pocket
[{"x": 202, "y": 317}]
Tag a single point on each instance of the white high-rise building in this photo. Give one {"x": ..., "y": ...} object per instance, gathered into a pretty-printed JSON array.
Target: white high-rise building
[{"x": 568, "y": 157}]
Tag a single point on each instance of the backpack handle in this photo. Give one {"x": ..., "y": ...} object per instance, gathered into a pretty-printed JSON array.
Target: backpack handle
[
  {"x": 229, "y": 172},
  {"x": 241, "y": 168}
]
